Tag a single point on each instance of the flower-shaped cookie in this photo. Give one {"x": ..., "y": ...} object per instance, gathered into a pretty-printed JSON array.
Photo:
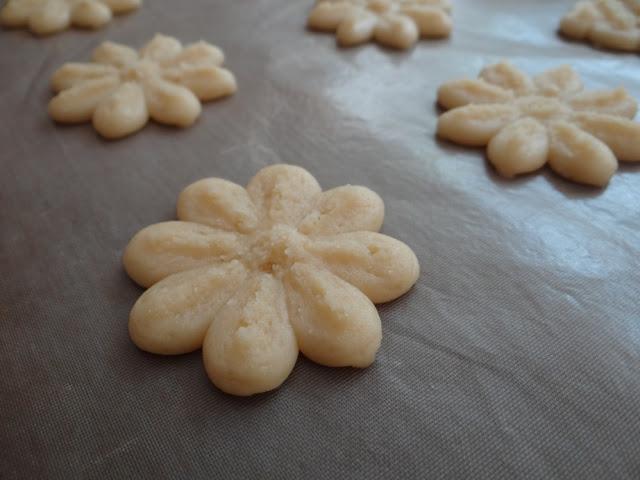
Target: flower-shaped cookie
[
  {"x": 123, "y": 88},
  {"x": 50, "y": 16},
  {"x": 527, "y": 122},
  {"x": 393, "y": 23},
  {"x": 612, "y": 24},
  {"x": 254, "y": 275}
]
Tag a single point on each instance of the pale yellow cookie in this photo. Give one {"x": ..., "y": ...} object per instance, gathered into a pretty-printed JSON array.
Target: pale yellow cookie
[
  {"x": 526, "y": 122},
  {"x": 393, "y": 23},
  {"x": 252, "y": 275},
  {"x": 123, "y": 88},
  {"x": 612, "y": 24},
  {"x": 45, "y": 17}
]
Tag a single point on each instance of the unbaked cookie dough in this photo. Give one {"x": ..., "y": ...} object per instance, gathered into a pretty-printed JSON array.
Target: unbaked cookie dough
[
  {"x": 612, "y": 24},
  {"x": 393, "y": 23},
  {"x": 254, "y": 275},
  {"x": 527, "y": 122},
  {"x": 123, "y": 88},
  {"x": 45, "y": 17}
]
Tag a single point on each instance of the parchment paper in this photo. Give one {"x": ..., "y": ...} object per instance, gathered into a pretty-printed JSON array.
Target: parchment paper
[{"x": 516, "y": 355}]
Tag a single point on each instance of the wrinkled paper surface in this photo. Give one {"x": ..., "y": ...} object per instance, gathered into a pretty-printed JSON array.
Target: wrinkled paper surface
[{"x": 516, "y": 355}]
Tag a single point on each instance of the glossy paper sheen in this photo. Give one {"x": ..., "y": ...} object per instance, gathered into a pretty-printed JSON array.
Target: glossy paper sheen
[{"x": 516, "y": 355}]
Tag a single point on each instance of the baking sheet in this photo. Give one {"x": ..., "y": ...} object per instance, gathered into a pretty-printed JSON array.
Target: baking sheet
[{"x": 516, "y": 355}]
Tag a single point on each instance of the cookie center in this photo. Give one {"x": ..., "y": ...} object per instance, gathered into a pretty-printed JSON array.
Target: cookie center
[
  {"x": 543, "y": 108},
  {"x": 276, "y": 249},
  {"x": 139, "y": 71}
]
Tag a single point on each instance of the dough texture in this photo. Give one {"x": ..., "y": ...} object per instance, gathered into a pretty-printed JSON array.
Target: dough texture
[
  {"x": 123, "y": 88},
  {"x": 392, "y": 23},
  {"x": 613, "y": 24},
  {"x": 526, "y": 122},
  {"x": 254, "y": 275},
  {"x": 45, "y": 17}
]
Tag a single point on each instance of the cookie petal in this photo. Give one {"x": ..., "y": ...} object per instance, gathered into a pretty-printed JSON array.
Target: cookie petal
[
  {"x": 382, "y": 267},
  {"x": 475, "y": 125},
  {"x": 617, "y": 14},
  {"x": 344, "y": 209},
  {"x": 206, "y": 82},
  {"x": 458, "y": 93},
  {"x": 90, "y": 14},
  {"x": 579, "y": 156},
  {"x": 283, "y": 194},
  {"x": 328, "y": 16},
  {"x": 166, "y": 248},
  {"x": 507, "y": 76},
  {"x": 621, "y": 135},
  {"x": 122, "y": 6},
  {"x": 15, "y": 13},
  {"x": 161, "y": 48},
  {"x": 396, "y": 31},
  {"x": 121, "y": 113},
  {"x": 53, "y": 16},
  {"x": 627, "y": 40},
  {"x": 612, "y": 102},
  {"x": 335, "y": 324},
  {"x": 577, "y": 23},
  {"x": 559, "y": 81},
  {"x": 218, "y": 203},
  {"x": 520, "y": 147},
  {"x": 171, "y": 104},
  {"x": 432, "y": 22},
  {"x": 196, "y": 54},
  {"x": 172, "y": 317},
  {"x": 250, "y": 346},
  {"x": 72, "y": 74},
  {"x": 77, "y": 104},
  {"x": 116, "y": 54},
  {"x": 356, "y": 29}
]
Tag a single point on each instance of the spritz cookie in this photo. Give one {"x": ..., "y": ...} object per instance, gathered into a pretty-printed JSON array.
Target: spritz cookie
[
  {"x": 254, "y": 275},
  {"x": 393, "y": 23},
  {"x": 527, "y": 122},
  {"x": 123, "y": 88},
  {"x": 611, "y": 24},
  {"x": 45, "y": 17}
]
